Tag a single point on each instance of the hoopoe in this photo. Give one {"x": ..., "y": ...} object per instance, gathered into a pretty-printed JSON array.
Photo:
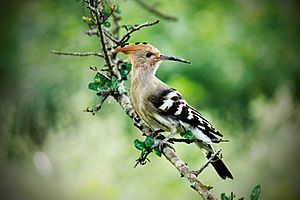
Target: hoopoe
[{"x": 163, "y": 107}]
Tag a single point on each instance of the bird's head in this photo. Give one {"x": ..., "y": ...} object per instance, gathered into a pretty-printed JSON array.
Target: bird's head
[{"x": 145, "y": 55}]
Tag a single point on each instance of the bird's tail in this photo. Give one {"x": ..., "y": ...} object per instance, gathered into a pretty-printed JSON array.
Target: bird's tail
[{"x": 220, "y": 167}]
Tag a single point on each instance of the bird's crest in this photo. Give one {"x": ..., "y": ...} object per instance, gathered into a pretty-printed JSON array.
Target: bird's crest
[{"x": 134, "y": 47}]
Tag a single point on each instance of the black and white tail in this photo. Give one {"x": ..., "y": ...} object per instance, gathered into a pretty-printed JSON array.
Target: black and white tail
[
  {"x": 205, "y": 144},
  {"x": 220, "y": 167}
]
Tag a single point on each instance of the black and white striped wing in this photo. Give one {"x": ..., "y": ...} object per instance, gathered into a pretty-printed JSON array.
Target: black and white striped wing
[{"x": 171, "y": 104}]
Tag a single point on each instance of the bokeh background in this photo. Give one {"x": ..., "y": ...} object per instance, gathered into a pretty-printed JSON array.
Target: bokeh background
[{"x": 245, "y": 78}]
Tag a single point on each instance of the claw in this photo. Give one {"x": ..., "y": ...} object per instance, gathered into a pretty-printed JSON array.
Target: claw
[
  {"x": 163, "y": 142},
  {"x": 161, "y": 145}
]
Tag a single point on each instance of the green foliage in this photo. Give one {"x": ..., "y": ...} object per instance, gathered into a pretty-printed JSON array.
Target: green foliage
[
  {"x": 139, "y": 145},
  {"x": 101, "y": 82},
  {"x": 224, "y": 197},
  {"x": 106, "y": 24},
  {"x": 125, "y": 69},
  {"x": 149, "y": 141},
  {"x": 94, "y": 86},
  {"x": 187, "y": 135},
  {"x": 146, "y": 146},
  {"x": 255, "y": 192},
  {"x": 105, "y": 12},
  {"x": 113, "y": 84},
  {"x": 157, "y": 151}
]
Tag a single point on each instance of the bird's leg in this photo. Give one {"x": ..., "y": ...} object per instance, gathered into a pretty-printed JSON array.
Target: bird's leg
[
  {"x": 164, "y": 141},
  {"x": 156, "y": 132}
]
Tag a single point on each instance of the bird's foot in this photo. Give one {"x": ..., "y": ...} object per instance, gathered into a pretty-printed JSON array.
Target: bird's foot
[{"x": 162, "y": 143}]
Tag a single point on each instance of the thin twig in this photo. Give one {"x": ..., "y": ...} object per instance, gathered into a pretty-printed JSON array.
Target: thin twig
[
  {"x": 102, "y": 40},
  {"x": 98, "y": 106},
  {"x": 211, "y": 159},
  {"x": 152, "y": 10},
  {"x": 126, "y": 37},
  {"x": 110, "y": 37},
  {"x": 183, "y": 169},
  {"x": 116, "y": 28},
  {"x": 112, "y": 10},
  {"x": 76, "y": 53}
]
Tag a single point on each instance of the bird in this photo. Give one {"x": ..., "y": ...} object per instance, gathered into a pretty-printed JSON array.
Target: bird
[{"x": 162, "y": 107}]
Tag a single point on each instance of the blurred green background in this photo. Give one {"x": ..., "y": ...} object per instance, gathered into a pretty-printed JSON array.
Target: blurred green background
[{"x": 244, "y": 78}]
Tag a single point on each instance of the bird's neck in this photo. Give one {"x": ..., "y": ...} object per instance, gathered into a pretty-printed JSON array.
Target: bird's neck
[
  {"x": 144, "y": 73},
  {"x": 143, "y": 79}
]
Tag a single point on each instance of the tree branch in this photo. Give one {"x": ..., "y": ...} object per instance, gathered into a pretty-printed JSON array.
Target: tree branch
[
  {"x": 101, "y": 34},
  {"x": 183, "y": 169},
  {"x": 126, "y": 37},
  {"x": 76, "y": 53},
  {"x": 152, "y": 10}
]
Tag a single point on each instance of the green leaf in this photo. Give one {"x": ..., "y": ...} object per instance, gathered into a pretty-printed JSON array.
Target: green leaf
[
  {"x": 100, "y": 79},
  {"x": 125, "y": 69},
  {"x": 129, "y": 27},
  {"x": 94, "y": 86},
  {"x": 123, "y": 72},
  {"x": 124, "y": 66},
  {"x": 114, "y": 83},
  {"x": 106, "y": 24},
  {"x": 97, "y": 79},
  {"x": 255, "y": 192},
  {"x": 157, "y": 151},
  {"x": 224, "y": 197},
  {"x": 118, "y": 11},
  {"x": 105, "y": 12},
  {"x": 149, "y": 141},
  {"x": 187, "y": 135},
  {"x": 128, "y": 66},
  {"x": 139, "y": 144}
]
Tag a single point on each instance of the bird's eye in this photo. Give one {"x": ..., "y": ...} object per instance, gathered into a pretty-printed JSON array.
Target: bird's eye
[{"x": 148, "y": 54}]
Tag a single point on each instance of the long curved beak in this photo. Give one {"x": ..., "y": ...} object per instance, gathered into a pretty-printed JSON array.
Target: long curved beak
[{"x": 173, "y": 58}]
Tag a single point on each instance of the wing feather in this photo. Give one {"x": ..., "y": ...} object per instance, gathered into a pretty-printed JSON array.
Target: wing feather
[{"x": 170, "y": 103}]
